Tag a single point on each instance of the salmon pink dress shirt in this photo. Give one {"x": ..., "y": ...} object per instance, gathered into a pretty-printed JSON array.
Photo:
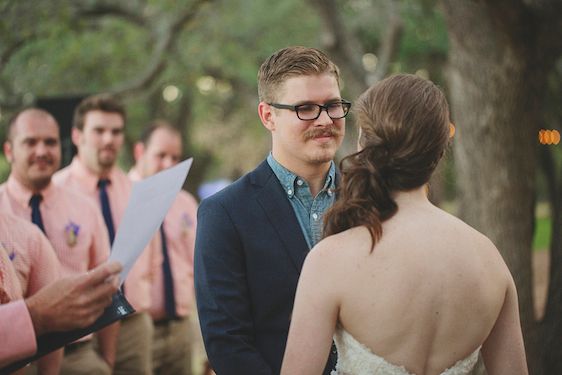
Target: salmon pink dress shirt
[
  {"x": 10, "y": 288},
  {"x": 30, "y": 253},
  {"x": 17, "y": 336},
  {"x": 77, "y": 176},
  {"x": 73, "y": 224},
  {"x": 180, "y": 225}
]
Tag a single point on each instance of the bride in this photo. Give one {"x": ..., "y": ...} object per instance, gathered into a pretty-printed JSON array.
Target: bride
[{"x": 401, "y": 286}]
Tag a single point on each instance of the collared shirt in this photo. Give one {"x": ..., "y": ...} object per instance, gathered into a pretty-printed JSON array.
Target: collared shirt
[
  {"x": 72, "y": 222},
  {"x": 10, "y": 288},
  {"x": 308, "y": 209},
  {"x": 16, "y": 328},
  {"x": 30, "y": 253},
  {"x": 180, "y": 225},
  {"x": 77, "y": 176}
]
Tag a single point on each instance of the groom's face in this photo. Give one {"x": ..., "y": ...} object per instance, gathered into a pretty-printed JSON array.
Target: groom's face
[{"x": 310, "y": 142}]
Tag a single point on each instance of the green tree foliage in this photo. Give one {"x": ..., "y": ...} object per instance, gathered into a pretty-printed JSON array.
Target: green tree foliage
[{"x": 70, "y": 47}]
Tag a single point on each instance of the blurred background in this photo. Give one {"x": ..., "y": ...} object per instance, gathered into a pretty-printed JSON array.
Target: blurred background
[{"x": 194, "y": 63}]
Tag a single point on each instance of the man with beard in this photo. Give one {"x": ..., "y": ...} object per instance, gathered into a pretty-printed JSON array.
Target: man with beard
[
  {"x": 253, "y": 236},
  {"x": 70, "y": 221},
  {"x": 97, "y": 133}
]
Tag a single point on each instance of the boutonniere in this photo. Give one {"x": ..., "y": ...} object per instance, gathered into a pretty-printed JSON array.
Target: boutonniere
[
  {"x": 11, "y": 254},
  {"x": 71, "y": 230}
]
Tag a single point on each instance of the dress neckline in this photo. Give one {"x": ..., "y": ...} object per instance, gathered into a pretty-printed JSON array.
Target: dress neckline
[{"x": 464, "y": 363}]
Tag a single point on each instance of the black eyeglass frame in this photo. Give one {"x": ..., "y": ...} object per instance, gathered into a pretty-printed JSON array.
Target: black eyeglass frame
[{"x": 295, "y": 108}]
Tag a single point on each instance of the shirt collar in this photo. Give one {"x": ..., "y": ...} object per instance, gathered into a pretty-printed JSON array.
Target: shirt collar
[
  {"x": 89, "y": 178},
  {"x": 288, "y": 179},
  {"x": 22, "y": 194}
]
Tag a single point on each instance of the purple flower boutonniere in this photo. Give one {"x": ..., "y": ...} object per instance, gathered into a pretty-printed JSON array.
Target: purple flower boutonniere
[
  {"x": 11, "y": 254},
  {"x": 71, "y": 230}
]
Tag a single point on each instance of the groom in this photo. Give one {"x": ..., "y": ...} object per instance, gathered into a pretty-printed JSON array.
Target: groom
[{"x": 253, "y": 236}]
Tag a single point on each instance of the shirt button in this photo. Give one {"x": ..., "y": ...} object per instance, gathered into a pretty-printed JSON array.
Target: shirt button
[
  {"x": 290, "y": 192},
  {"x": 299, "y": 182},
  {"x": 315, "y": 216}
]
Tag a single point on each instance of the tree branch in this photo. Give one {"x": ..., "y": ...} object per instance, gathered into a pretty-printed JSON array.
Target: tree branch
[
  {"x": 122, "y": 10},
  {"x": 343, "y": 47},
  {"x": 346, "y": 50},
  {"x": 7, "y": 54},
  {"x": 389, "y": 45},
  {"x": 165, "y": 35}
]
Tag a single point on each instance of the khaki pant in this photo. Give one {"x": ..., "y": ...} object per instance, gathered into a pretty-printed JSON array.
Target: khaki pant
[
  {"x": 171, "y": 347},
  {"x": 134, "y": 346},
  {"x": 83, "y": 359}
]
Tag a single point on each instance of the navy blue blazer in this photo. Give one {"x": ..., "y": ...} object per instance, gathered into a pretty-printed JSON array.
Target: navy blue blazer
[{"x": 249, "y": 251}]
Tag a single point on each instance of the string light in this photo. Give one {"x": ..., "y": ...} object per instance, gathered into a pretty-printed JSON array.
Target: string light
[{"x": 549, "y": 137}]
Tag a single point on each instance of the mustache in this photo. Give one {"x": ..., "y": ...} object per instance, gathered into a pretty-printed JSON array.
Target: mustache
[
  {"x": 42, "y": 159},
  {"x": 331, "y": 131}
]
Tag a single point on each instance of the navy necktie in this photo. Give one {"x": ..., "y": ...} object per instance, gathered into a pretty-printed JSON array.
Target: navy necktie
[
  {"x": 169, "y": 298},
  {"x": 106, "y": 208},
  {"x": 35, "y": 212}
]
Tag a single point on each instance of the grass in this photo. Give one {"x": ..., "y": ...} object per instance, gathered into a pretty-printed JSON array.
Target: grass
[{"x": 541, "y": 239}]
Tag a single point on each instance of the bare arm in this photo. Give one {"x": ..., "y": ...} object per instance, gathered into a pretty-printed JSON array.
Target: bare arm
[
  {"x": 504, "y": 351},
  {"x": 313, "y": 321}
]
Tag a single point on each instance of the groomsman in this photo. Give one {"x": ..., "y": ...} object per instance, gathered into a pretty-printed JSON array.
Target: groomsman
[
  {"x": 98, "y": 126},
  {"x": 160, "y": 147},
  {"x": 70, "y": 221}
]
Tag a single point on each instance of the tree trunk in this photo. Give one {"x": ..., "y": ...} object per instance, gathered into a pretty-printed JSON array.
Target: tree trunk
[
  {"x": 496, "y": 85},
  {"x": 551, "y": 327}
]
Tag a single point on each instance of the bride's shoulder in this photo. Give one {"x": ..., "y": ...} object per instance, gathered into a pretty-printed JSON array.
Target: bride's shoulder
[
  {"x": 458, "y": 228},
  {"x": 333, "y": 256},
  {"x": 341, "y": 243}
]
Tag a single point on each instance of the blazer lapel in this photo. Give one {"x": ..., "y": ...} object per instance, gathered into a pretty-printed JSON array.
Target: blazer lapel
[{"x": 273, "y": 199}]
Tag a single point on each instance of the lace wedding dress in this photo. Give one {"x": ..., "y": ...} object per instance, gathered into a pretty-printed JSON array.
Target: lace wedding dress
[{"x": 355, "y": 358}]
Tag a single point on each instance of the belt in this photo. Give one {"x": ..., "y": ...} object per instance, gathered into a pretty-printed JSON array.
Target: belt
[{"x": 74, "y": 346}]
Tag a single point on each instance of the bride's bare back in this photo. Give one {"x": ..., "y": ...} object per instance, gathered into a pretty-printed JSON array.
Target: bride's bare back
[{"x": 429, "y": 293}]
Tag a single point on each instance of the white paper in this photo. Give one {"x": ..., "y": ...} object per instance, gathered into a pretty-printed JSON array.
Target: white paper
[{"x": 148, "y": 204}]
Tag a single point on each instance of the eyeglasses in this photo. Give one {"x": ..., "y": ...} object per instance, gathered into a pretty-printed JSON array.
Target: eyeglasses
[{"x": 309, "y": 112}]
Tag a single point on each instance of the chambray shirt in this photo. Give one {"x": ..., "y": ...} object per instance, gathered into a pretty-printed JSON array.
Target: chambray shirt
[{"x": 308, "y": 209}]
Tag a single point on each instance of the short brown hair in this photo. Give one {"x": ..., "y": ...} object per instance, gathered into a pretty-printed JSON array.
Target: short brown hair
[
  {"x": 100, "y": 102},
  {"x": 290, "y": 62}
]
